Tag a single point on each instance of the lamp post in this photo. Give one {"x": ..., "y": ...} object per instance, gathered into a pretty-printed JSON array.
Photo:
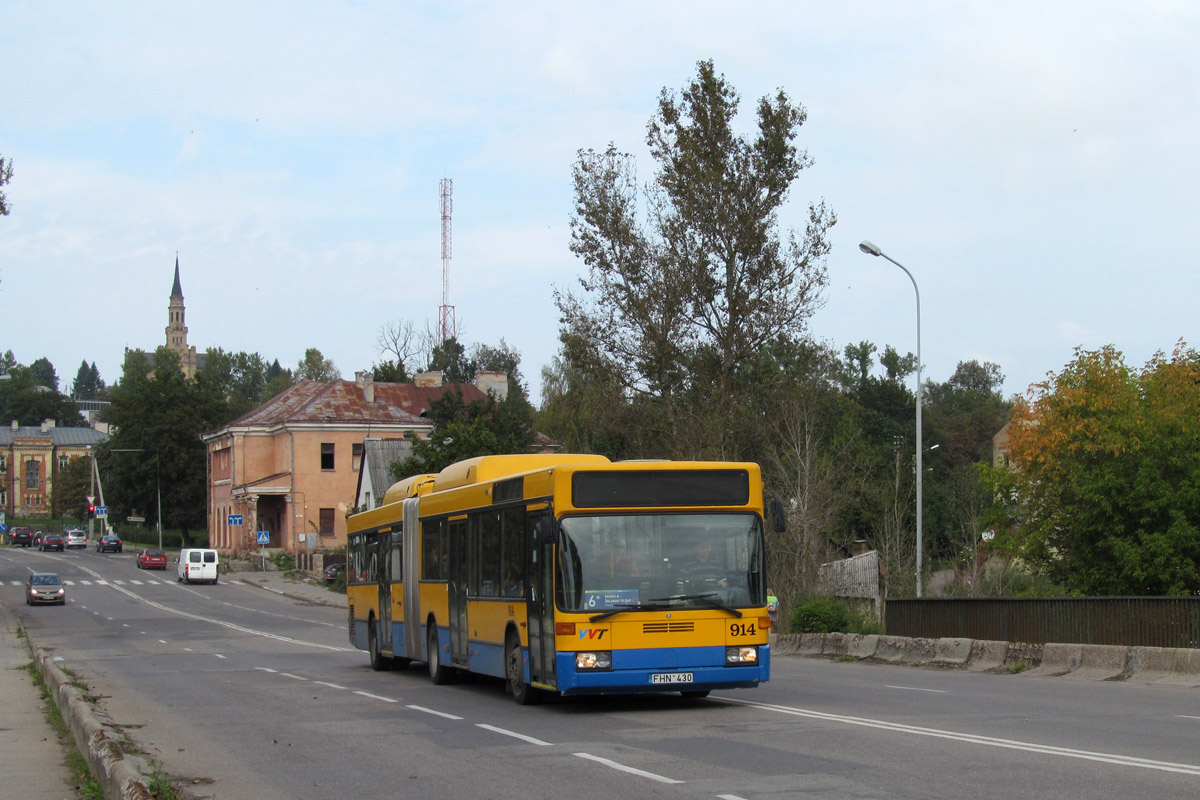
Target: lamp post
[
  {"x": 157, "y": 487},
  {"x": 873, "y": 250}
]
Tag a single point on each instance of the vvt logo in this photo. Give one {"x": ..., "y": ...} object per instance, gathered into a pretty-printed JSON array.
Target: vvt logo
[{"x": 590, "y": 633}]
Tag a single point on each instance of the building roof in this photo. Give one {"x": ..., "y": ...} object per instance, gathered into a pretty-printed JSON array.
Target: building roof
[
  {"x": 376, "y": 472},
  {"x": 177, "y": 290},
  {"x": 59, "y": 437},
  {"x": 343, "y": 401}
]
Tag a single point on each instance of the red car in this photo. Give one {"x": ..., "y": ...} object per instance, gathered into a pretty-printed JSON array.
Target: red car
[{"x": 152, "y": 559}]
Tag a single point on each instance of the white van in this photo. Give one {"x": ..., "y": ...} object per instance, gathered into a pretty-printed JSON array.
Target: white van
[{"x": 196, "y": 564}]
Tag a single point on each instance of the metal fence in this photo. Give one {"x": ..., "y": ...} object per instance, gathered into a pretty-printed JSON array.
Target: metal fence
[{"x": 1131, "y": 621}]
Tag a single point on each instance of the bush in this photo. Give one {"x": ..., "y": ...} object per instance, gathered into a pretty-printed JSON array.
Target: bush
[{"x": 819, "y": 615}]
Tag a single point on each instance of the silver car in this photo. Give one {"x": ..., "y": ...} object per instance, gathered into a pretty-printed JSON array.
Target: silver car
[
  {"x": 76, "y": 539},
  {"x": 45, "y": 587}
]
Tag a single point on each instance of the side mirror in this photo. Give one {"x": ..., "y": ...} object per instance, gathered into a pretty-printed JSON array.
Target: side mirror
[
  {"x": 547, "y": 530},
  {"x": 778, "y": 517}
]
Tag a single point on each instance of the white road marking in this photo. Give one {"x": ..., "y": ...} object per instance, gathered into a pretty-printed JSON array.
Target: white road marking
[
  {"x": 293, "y": 677},
  {"x": 430, "y": 711},
  {"x": 970, "y": 738},
  {"x": 332, "y": 685},
  {"x": 915, "y": 689},
  {"x": 377, "y": 697},
  {"x": 631, "y": 770},
  {"x": 513, "y": 734}
]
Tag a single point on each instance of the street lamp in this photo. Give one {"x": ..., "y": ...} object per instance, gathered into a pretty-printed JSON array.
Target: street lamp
[
  {"x": 157, "y": 487},
  {"x": 872, "y": 250}
]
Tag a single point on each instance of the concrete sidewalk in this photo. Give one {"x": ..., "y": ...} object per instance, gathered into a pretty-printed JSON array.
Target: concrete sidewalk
[
  {"x": 31, "y": 759},
  {"x": 307, "y": 591}
]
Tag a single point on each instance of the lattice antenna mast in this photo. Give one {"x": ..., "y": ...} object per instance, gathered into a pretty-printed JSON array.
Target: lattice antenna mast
[{"x": 446, "y": 324}]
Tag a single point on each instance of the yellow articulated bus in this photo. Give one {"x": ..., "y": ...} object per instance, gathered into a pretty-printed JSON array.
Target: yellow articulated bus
[{"x": 568, "y": 574}]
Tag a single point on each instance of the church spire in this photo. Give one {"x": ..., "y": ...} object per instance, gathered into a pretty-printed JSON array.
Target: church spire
[{"x": 177, "y": 290}]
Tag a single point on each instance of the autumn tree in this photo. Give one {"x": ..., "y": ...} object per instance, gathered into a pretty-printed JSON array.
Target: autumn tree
[
  {"x": 685, "y": 290},
  {"x": 1105, "y": 478}
]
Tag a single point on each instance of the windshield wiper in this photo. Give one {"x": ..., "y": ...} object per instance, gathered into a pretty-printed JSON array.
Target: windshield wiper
[
  {"x": 707, "y": 599},
  {"x": 621, "y": 609}
]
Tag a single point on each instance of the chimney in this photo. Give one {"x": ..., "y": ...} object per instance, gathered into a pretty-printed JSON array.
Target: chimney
[
  {"x": 47, "y": 424},
  {"x": 16, "y": 424},
  {"x": 428, "y": 380},
  {"x": 366, "y": 382},
  {"x": 493, "y": 383}
]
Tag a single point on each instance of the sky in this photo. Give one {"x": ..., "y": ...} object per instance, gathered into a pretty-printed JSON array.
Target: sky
[{"x": 1033, "y": 165}]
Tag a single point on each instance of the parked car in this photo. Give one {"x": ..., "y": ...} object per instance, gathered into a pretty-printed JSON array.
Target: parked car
[
  {"x": 152, "y": 559},
  {"x": 45, "y": 587},
  {"x": 37, "y": 538},
  {"x": 52, "y": 541},
  {"x": 108, "y": 543},
  {"x": 76, "y": 538},
  {"x": 20, "y": 535},
  {"x": 332, "y": 572}
]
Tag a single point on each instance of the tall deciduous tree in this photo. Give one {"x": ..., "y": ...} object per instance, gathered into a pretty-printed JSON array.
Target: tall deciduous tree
[
  {"x": 683, "y": 293},
  {"x": 158, "y": 418},
  {"x": 316, "y": 367},
  {"x": 465, "y": 430},
  {"x": 1106, "y": 475}
]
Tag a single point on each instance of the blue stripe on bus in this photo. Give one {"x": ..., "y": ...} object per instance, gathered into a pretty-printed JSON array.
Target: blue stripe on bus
[{"x": 635, "y": 679}]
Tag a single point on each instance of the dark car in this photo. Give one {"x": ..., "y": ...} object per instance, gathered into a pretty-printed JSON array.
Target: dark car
[
  {"x": 152, "y": 559},
  {"x": 20, "y": 535},
  {"x": 45, "y": 587},
  {"x": 108, "y": 543},
  {"x": 53, "y": 541},
  {"x": 332, "y": 572}
]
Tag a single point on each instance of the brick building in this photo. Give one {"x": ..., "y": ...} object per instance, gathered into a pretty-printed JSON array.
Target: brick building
[{"x": 30, "y": 459}]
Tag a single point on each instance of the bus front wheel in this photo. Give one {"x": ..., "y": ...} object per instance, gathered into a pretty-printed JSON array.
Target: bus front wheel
[
  {"x": 438, "y": 672},
  {"x": 514, "y": 672}
]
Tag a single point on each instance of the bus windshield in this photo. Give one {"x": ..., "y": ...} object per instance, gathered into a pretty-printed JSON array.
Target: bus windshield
[{"x": 659, "y": 561}]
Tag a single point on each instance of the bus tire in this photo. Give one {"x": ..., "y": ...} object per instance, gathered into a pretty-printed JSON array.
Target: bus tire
[
  {"x": 439, "y": 673},
  {"x": 379, "y": 662},
  {"x": 514, "y": 672}
]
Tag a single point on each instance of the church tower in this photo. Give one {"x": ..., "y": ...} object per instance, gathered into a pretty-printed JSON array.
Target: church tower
[{"x": 177, "y": 330}]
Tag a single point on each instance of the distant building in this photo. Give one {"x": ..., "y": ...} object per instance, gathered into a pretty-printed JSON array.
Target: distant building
[
  {"x": 177, "y": 332},
  {"x": 290, "y": 469},
  {"x": 30, "y": 459}
]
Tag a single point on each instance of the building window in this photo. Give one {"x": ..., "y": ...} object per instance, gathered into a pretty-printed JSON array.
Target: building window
[
  {"x": 327, "y": 455},
  {"x": 356, "y": 456},
  {"x": 33, "y": 476},
  {"x": 327, "y": 521},
  {"x": 63, "y": 461},
  {"x": 3, "y": 499},
  {"x": 3, "y": 464}
]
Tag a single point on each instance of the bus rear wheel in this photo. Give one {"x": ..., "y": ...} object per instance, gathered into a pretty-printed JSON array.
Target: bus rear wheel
[
  {"x": 438, "y": 672},
  {"x": 379, "y": 662},
  {"x": 514, "y": 672}
]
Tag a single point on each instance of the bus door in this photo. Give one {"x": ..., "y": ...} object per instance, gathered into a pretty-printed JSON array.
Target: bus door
[
  {"x": 459, "y": 578},
  {"x": 541, "y": 601},
  {"x": 410, "y": 575},
  {"x": 383, "y": 549}
]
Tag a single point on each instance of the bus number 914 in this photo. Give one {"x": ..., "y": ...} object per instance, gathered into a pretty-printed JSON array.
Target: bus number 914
[{"x": 741, "y": 629}]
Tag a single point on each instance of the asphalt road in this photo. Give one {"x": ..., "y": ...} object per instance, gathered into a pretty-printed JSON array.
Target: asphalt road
[{"x": 245, "y": 693}]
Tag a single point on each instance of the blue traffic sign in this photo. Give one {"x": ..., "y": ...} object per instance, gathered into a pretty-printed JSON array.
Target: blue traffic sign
[
  {"x": 235, "y": 519},
  {"x": 101, "y": 511},
  {"x": 264, "y": 537}
]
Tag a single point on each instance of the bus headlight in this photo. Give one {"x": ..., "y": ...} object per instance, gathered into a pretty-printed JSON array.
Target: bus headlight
[
  {"x": 741, "y": 655},
  {"x": 595, "y": 661}
]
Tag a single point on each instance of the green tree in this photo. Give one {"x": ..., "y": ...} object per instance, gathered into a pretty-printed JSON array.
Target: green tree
[
  {"x": 678, "y": 299},
  {"x": 1105, "y": 482},
  {"x": 316, "y": 367},
  {"x": 450, "y": 358},
  {"x": 72, "y": 485},
  {"x": 87, "y": 384},
  {"x": 7, "y": 362},
  {"x": 42, "y": 372},
  {"x": 389, "y": 372},
  {"x": 6, "y": 173},
  {"x": 158, "y": 419},
  {"x": 466, "y": 430},
  {"x": 24, "y": 399}
]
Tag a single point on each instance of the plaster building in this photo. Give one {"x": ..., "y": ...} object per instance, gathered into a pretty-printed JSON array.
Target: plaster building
[
  {"x": 289, "y": 470},
  {"x": 31, "y": 457}
]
